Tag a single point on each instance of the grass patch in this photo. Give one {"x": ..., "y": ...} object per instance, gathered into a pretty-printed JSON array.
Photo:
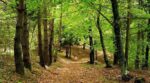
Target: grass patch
[
  {"x": 57, "y": 64},
  {"x": 97, "y": 65}
]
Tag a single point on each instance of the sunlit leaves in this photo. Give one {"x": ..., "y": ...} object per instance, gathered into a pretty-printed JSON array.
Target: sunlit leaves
[{"x": 139, "y": 13}]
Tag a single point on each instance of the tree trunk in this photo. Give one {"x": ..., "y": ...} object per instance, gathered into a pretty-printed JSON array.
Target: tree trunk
[
  {"x": 137, "y": 60},
  {"x": 25, "y": 42},
  {"x": 96, "y": 54},
  {"x": 17, "y": 41},
  {"x": 51, "y": 27},
  {"x": 102, "y": 42},
  {"x": 91, "y": 46},
  {"x": 40, "y": 45},
  {"x": 118, "y": 40},
  {"x": 116, "y": 56},
  {"x": 127, "y": 32},
  {"x": 84, "y": 44},
  {"x": 67, "y": 51},
  {"x": 148, "y": 46},
  {"x": 146, "y": 57},
  {"x": 142, "y": 46},
  {"x": 142, "y": 41},
  {"x": 46, "y": 48},
  {"x": 60, "y": 29}
]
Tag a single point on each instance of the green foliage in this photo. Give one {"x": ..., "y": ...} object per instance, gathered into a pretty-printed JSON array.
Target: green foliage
[
  {"x": 139, "y": 13},
  {"x": 68, "y": 38},
  {"x": 77, "y": 16}
]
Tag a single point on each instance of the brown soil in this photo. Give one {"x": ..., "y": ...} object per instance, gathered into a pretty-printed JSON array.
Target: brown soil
[{"x": 66, "y": 70}]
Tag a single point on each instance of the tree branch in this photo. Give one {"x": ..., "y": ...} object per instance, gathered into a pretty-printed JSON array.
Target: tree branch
[{"x": 92, "y": 4}]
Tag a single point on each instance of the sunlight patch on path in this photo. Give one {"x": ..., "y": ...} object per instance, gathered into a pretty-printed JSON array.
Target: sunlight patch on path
[{"x": 84, "y": 60}]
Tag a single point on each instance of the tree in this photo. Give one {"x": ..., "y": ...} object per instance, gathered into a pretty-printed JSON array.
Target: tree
[
  {"x": 46, "y": 48},
  {"x": 116, "y": 56},
  {"x": 40, "y": 45},
  {"x": 17, "y": 41},
  {"x": 102, "y": 41},
  {"x": 118, "y": 40},
  {"x": 140, "y": 40},
  {"x": 51, "y": 28},
  {"x": 91, "y": 46},
  {"x": 25, "y": 41},
  {"x": 137, "y": 59},
  {"x": 128, "y": 32},
  {"x": 148, "y": 41},
  {"x": 60, "y": 26},
  {"x": 68, "y": 39},
  {"x": 98, "y": 25}
]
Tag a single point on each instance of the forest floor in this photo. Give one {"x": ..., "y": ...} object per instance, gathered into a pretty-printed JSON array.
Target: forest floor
[{"x": 75, "y": 70}]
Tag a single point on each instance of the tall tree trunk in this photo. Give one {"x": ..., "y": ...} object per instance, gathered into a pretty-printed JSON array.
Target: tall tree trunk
[
  {"x": 60, "y": 28},
  {"x": 137, "y": 59},
  {"x": 142, "y": 37},
  {"x": 51, "y": 27},
  {"x": 140, "y": 40},
  {"x": 91, "y": 46},
  {"x": 127, "y": 32},
  {"x": 17, "y": 41},
  {"x": 40, "y": 45},
  {"x": 116, "y": 56},
  {"x": 102, "y": 42},
  {"x": 25, "y": 42},
  {"x": 148, "y": 40},
  {"x": 148, "y": 46},
  {"x": 46, "y": 48},
  {"x": 118, "y": 40}
]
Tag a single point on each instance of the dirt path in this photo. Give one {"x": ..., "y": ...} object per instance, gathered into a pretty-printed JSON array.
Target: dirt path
[
  {"x": 81, "y": 72},
  {"x": 73, "y": 72}
]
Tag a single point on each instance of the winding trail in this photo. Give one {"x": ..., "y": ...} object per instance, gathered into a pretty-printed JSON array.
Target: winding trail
[
  {"x": 75, "y": 71},
  {"x": 72, "y": 72}
]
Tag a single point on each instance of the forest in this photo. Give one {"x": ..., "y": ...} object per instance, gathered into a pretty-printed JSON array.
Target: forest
[{"x": 74, "y": 41}]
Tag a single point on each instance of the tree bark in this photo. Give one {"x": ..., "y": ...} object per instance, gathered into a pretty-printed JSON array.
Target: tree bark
[
  {"x": 67, "y": 51},
  {"x": 84, "y": 44},
  {"x": 40, "y": 45},
  {"x": 70, "y": 51},
  {"x": 148, "y": 41},
  {"x": 102, "y": 42},
  {"x": 148, "y": 46},
  {"x": 25, "y": 42},
  {"x": 128, "y": 32},
  {"x": 137, "y": 59},
  {"x": 51, "y": 27},
  {"x": 91, "y": 46},
  {"x": 60, "y": 29},
  {"x": 17, "y": 41},
  {"x": 46, "y": 48},
  {"x": 118, "y": 40},
  {"x": 116, "y": 56}
]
